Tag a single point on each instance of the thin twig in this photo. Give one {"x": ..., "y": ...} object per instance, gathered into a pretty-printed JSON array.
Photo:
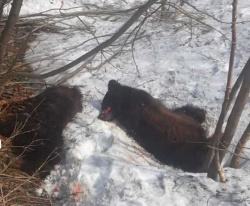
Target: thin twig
[
  {"x": 97, "y": 49},
  {"x": 68, "y": 76},
  {"x": 82, "y": 13},
  {"x": 240, "y": 146}
]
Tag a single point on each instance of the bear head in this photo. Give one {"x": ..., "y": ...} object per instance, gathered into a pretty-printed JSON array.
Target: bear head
[
  {"x": 61, "y": 99},
  {"x": 112, "y": 102}
]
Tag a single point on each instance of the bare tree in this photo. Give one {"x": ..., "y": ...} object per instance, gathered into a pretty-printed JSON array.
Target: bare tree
[
  {"x": 6, "y": 33},
  {"x": 235, "y": 115},
  {"x": 233, "y": 120},
  {"x": 163, "y": 4},
  {"x": 214, "y": 166},
  {"x": 239, "y": 148}
]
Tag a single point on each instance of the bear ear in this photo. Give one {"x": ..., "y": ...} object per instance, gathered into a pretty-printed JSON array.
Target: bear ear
[{"x": 113, "y": 84}]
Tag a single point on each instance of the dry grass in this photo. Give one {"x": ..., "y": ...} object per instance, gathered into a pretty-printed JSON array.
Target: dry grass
[
  {"x": 14, "y": 54},
  {"x": 16, "y": 187}
]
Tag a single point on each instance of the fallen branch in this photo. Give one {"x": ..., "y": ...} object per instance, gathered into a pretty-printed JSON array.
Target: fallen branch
[
  {"x": 51, "y": 56},
  {"x": 97, "y": 49},
  {"x": 211, "y": 16},
  {"x": 81, "y": 13},
  {"x": 196, "y": 18},
  {"x": 68, "y": 76},
  {"x": 245, "y": 157}
]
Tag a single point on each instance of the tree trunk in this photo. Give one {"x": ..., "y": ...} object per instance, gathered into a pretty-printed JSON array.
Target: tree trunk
[
  {"x": 163, "y": 8},
  {"x": 239, "y": 148},
  {"x": 6, "y": 33},
  {"x": 236, "y": 86},
  {"x": 2, "y": 3},
  {"x": 214, "y": 166},
  {"x": 233, "y": 120},
  {"x": 235, "y": 115}
]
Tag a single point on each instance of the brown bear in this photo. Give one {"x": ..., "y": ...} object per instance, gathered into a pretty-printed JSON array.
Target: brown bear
[
  {"x": 196, "y": 113},
  {"x": 36, "y": 128},
  {"x": 174, "y": 137}
]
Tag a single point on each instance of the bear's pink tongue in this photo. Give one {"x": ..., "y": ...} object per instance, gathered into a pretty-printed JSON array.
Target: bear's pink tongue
[{"x": 106, "y": 111}]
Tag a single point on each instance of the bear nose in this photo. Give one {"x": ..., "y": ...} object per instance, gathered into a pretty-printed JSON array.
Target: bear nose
[{"x": 101, "y": 116}]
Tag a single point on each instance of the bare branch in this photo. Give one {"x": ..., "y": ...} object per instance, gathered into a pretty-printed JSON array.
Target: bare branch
[
  {"x": 236, "y": 112},
  {"x": 68, "y": 76},
  {"x": 239, "y": 148},
  {"x": 237, "y": 85},
  {"x": 211, "y": 16},
  {"x": 51, "y": 56},
  {"x": 219, "y": 168},
  {"x": 245, "y": 157},
  {"x": 97, "y": 49},
  {"x": 196, "y": 18},
  {"x": 80, "y": 13}
]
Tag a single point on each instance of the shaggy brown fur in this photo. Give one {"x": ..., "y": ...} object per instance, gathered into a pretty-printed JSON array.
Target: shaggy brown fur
[
  {"x": 36, "y": 129},
  {"x": 173, "y": 138}
]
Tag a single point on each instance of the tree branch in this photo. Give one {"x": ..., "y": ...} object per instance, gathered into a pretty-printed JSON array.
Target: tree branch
[
  {"x": 239, "y": 148},
  {"x": 80, "y": 13},
  {"x": 213, "y": 167},
  {"x": 237, "y": 85},
  {"x": 234, "y": 117},
  {"x": 97, "y": 49}
]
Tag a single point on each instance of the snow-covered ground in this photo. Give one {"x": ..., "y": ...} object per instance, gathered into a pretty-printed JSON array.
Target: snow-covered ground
[{"x": 103, "y": 164}]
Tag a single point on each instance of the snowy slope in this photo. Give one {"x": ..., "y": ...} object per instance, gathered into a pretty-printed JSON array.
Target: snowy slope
[{"x": 105, "y": 165}]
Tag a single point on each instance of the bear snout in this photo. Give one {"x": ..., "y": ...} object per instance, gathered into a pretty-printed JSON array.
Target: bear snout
[
  {"x": 101, "y": 116},
  {"x": 106, "y": 117}
]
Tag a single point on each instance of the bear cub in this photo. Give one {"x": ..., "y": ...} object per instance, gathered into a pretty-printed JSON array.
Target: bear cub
[
  {"x": 36, "y": 128},
  {"x": 174, "y": 137}
]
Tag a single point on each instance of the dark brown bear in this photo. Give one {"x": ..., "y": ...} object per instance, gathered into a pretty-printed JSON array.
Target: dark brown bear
[
  {"x": 41, "y": 122},
  {"x": 196, "y": 113},
  {"x": 174, "y": 138}
]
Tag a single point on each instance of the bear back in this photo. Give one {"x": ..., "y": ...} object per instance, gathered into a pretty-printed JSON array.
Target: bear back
[{"x": 172, "y": 137}]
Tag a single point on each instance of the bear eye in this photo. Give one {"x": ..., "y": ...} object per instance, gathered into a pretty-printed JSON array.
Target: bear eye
[{"x": 106, "y": 111}]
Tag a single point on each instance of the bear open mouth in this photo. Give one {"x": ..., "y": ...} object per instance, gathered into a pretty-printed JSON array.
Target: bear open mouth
[{"x": 106, "y": 111}]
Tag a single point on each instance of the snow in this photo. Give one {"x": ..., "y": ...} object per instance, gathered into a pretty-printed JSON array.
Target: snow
[{"x": 105, "y": 166}]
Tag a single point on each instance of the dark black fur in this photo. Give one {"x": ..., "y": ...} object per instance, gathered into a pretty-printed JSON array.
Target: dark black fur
[
  {"x": 172, "y": 137},
  {"x": 42, "y": 119},
  {"x": 196, "y": 113}
]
